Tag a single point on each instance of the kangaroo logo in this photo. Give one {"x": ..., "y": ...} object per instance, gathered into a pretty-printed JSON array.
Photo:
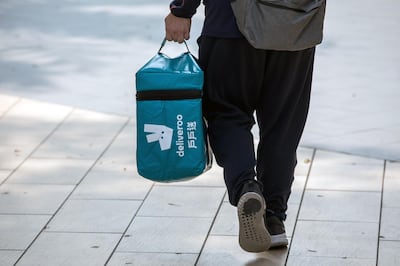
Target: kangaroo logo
[{"x": 160, "y": 133}]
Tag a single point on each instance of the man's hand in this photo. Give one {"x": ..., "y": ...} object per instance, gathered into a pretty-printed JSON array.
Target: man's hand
[{"x": 177, "y": 29}]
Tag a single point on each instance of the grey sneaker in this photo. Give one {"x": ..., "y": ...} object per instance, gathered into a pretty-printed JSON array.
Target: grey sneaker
[
  {"x": 253, "y": 235},
  {"x": 276, "y": 229}
]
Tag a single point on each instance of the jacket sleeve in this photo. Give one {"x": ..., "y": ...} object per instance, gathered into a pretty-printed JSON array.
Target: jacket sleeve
[{"x": 184, "y": 8}]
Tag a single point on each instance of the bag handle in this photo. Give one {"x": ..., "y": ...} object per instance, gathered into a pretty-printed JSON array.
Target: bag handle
[{"x": 165, "y": 40}]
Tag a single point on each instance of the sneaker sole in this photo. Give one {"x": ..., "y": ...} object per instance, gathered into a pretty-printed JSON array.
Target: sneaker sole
[
  {"x": 253, "y": 235},
  {"x": 279, "y": 241}
]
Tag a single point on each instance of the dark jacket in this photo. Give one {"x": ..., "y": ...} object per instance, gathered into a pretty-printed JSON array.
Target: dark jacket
[{"x": 219, "y": 21}]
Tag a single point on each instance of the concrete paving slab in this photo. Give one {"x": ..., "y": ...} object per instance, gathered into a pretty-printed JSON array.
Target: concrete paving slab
[
  {"x": 70, "y": 249},
  {"x": 122, "y": 152},
  {"x": 165, "y": 259},
  {"x": 24, "y": 132},
  {"x": 182, "y": 201},
  {"x": 9, "y": 257},
  {"x": 324, "y": 158},
  {"x": 84, "y": 135},
  {"x": 31, "y": 110},
  {"x": 18, "y": 231},
  {"x": 32, "y": 199},
  {"x": 389, "y": 253},
  {"x": 226, "y": 221},
  {"x": 6, "y": 102},
  {"x": 390, "y": 227},
  {"x": 165, "y": 235},
  {"x": 226, "y": 198},
  {"x": 335, "y": 240},
  {"x": 73, "y": 147},
  {"x": 224, "y": 250},
  {"x": 327, "y": 261},
  {"x": 117, "y": 164},
  {"x": 4, "y": 174},
  {"x": 12, "y": 156},
  {"x": 124, "y": 185},
  {"x": 297, "y": 189},
  {"x": 94, "y": 216},
  {"x": 341, "y": 206},
  {"x": 391, "y": 195},
  {"x": 291, "y": 219},
  {"x": 51, "y": 171},
  {"x": 304, "y": 157},
  {"x": 87, "y": 123},
  {"x": 26, "y": 125},
  {"x": 335, "y": 171}
]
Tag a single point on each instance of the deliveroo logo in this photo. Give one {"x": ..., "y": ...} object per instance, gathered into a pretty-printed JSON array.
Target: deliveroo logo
[{"x": 160, "y": 133}]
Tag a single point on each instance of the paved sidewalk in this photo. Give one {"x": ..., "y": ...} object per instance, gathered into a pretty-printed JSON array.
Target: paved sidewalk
[
  {"x": 70, "y": 195},
  {"x": 69, "y": 190}
]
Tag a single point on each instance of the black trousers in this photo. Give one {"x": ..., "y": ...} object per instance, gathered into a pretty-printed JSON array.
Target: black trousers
[{"x": 275, "y": 85}]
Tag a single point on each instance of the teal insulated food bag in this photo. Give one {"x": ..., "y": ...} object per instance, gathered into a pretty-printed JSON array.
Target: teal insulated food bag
[{"x": 171, "y": 136}]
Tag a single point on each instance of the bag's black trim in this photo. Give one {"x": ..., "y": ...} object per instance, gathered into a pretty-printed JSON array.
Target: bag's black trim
[
  {"x": 292, "y": 6},
  {"x": 168, "y": 95}
]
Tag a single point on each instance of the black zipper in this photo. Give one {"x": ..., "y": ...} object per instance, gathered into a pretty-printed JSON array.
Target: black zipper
[{"x": 168, "y": 94}]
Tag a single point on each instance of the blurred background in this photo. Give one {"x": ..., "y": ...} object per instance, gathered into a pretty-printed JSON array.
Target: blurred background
[{"x": 85, "y": 54}]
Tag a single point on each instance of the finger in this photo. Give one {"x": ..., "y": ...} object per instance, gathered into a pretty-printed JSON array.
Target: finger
[
  {"x": 174, "y": 37},
  {"x": 187, "y": 35},
  {"x": 168, "y": 36},
  {"x": 177, "y": 37},
  {"x": 180, "y": 39}
]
